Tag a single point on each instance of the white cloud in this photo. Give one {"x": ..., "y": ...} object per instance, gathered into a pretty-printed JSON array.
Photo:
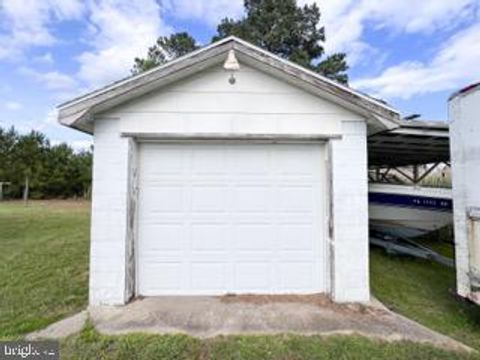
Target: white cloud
[
  {"x": 455, "y": 64},
  {"x": 13, "y": 105},
  {"x": 120, "y": 30},
  {"x": 52, "y": 116},
  {"x": 117, "y": 31},
  {"x": 77, "y": 145},
  {"x": 51, "y": 80},
  {"x": 26, "y": 23},
  {"x": 46, "y": 58},
  {"x": 211, "y": 11},
  {"x": 346, "y": 20},
  {"x": 55, "y": 80}
]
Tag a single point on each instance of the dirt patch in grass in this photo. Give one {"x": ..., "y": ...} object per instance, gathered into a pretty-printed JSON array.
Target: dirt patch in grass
[
  {"x": 68, "y": 204},
  {"x": 320, "y": 300},
  {"x": 313, "y": 299}
]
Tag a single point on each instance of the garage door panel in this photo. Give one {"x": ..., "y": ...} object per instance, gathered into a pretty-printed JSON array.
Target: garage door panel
[
  {"x": 249, "y": 162},
  {"x": 171, "y": 161},
  {"x": 209, "y": 276},
  {"x": 296, "y": 237},
  {"x": 209, "y": 237},
  {"x": 243, "y": 256},
  {"x": 297, "y": 275},
  {"x": 163, "y": 198},
  {"x": 254, "y": 237},
  {"x": 154, "y": 257},
  {"x": 209, "y": 197},
  {"x": 251, "y": 197},
  {"x": 166, "y": 237},
  {"x": 253, "y": 217},
  {"x": 295, "y": 256},
  {"x": 297, "y": 199},
  {"x": 238, "y": 218},
  {"x": 301, "y": 161},
  {"x": 209, "y": 161},
  {"x": 160, "y": 277},
  {"x": 253, "y": 277}
]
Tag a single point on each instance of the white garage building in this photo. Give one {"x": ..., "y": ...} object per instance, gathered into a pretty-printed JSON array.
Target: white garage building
[
  {"x": 464, "y": 113},
  {"x": 210, "y": 181}
]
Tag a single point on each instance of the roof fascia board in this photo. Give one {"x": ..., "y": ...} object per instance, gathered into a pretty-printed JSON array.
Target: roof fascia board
[
  {"x": 415, "y": 124},
  {"x": 422, "y": 132},
  {"x": 69, "y": 113},
  {"x": 76, "y": 110},
  {"x": 309, "y": 76},
  {"x": 379, "y": 120},
  {"x": 147, "y": 73}
]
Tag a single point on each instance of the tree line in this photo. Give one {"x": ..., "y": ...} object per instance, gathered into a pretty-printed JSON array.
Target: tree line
[
  {"x": 282, "y": 27},
  {"x": 35, "y": 168},
  {"x": 31, "y": 167}
]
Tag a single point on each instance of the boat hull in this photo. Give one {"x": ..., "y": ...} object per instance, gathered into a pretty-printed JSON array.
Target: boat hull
[{"x": 408, "y": 211}]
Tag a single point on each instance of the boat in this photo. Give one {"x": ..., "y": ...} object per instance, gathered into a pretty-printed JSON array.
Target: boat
[{"x": 408, "y": 211}]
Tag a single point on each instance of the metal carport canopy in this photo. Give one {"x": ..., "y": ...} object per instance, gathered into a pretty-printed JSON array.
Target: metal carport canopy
[{"x": 413, "y": 142}]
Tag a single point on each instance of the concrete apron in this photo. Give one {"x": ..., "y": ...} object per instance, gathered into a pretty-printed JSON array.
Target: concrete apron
[{"x": 204, "y": 316}]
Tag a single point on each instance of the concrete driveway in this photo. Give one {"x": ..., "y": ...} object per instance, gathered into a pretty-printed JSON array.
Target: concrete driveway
[{"x": 257, "y": 314}]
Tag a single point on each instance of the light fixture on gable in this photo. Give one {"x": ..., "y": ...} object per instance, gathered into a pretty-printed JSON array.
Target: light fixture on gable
[{"x": 231, "y": 65}]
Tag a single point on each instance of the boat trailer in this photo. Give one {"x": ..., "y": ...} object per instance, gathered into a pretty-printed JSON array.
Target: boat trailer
[{"x": 396, "y": 245}]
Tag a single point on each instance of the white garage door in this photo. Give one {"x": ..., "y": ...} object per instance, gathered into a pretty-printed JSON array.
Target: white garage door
[{"x": 231, "y": 218}]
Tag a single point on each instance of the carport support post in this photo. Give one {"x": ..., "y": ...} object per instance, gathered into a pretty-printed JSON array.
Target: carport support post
[{"x": 350, "y": 280}]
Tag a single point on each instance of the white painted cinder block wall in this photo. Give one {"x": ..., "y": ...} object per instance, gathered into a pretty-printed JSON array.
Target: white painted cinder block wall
[
  {"x": 350, "y": 214},
  {"x": 109, "y": 218},
  {"x": 261, "y": 104}
]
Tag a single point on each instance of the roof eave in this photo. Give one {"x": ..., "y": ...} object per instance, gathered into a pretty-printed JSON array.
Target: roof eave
[{"x": 74, "y": 113}]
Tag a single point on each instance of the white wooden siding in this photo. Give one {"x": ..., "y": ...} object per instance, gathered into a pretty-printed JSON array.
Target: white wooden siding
[{"x": 256, "y": 103}]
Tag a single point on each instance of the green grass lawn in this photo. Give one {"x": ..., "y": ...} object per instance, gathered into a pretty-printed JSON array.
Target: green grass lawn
[
  {"x": 90, "y": 345},
  {"x": 425, "y": 292},
  {"x": 43, "y": 263},
  {"x": 44, "y": 276}
]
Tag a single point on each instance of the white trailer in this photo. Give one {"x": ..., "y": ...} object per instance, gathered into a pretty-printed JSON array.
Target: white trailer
[{"x": 464, "y": 117}]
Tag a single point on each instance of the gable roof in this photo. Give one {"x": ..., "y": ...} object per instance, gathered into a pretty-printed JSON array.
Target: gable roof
[{"x": 79, "y": 112}]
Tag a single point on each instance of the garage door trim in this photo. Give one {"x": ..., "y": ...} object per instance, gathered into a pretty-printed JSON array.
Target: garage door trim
[{"x": 228, "y": 137}]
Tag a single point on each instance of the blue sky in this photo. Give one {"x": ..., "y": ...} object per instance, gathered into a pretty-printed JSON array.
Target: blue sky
[{"x": 412, "y": 53}]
